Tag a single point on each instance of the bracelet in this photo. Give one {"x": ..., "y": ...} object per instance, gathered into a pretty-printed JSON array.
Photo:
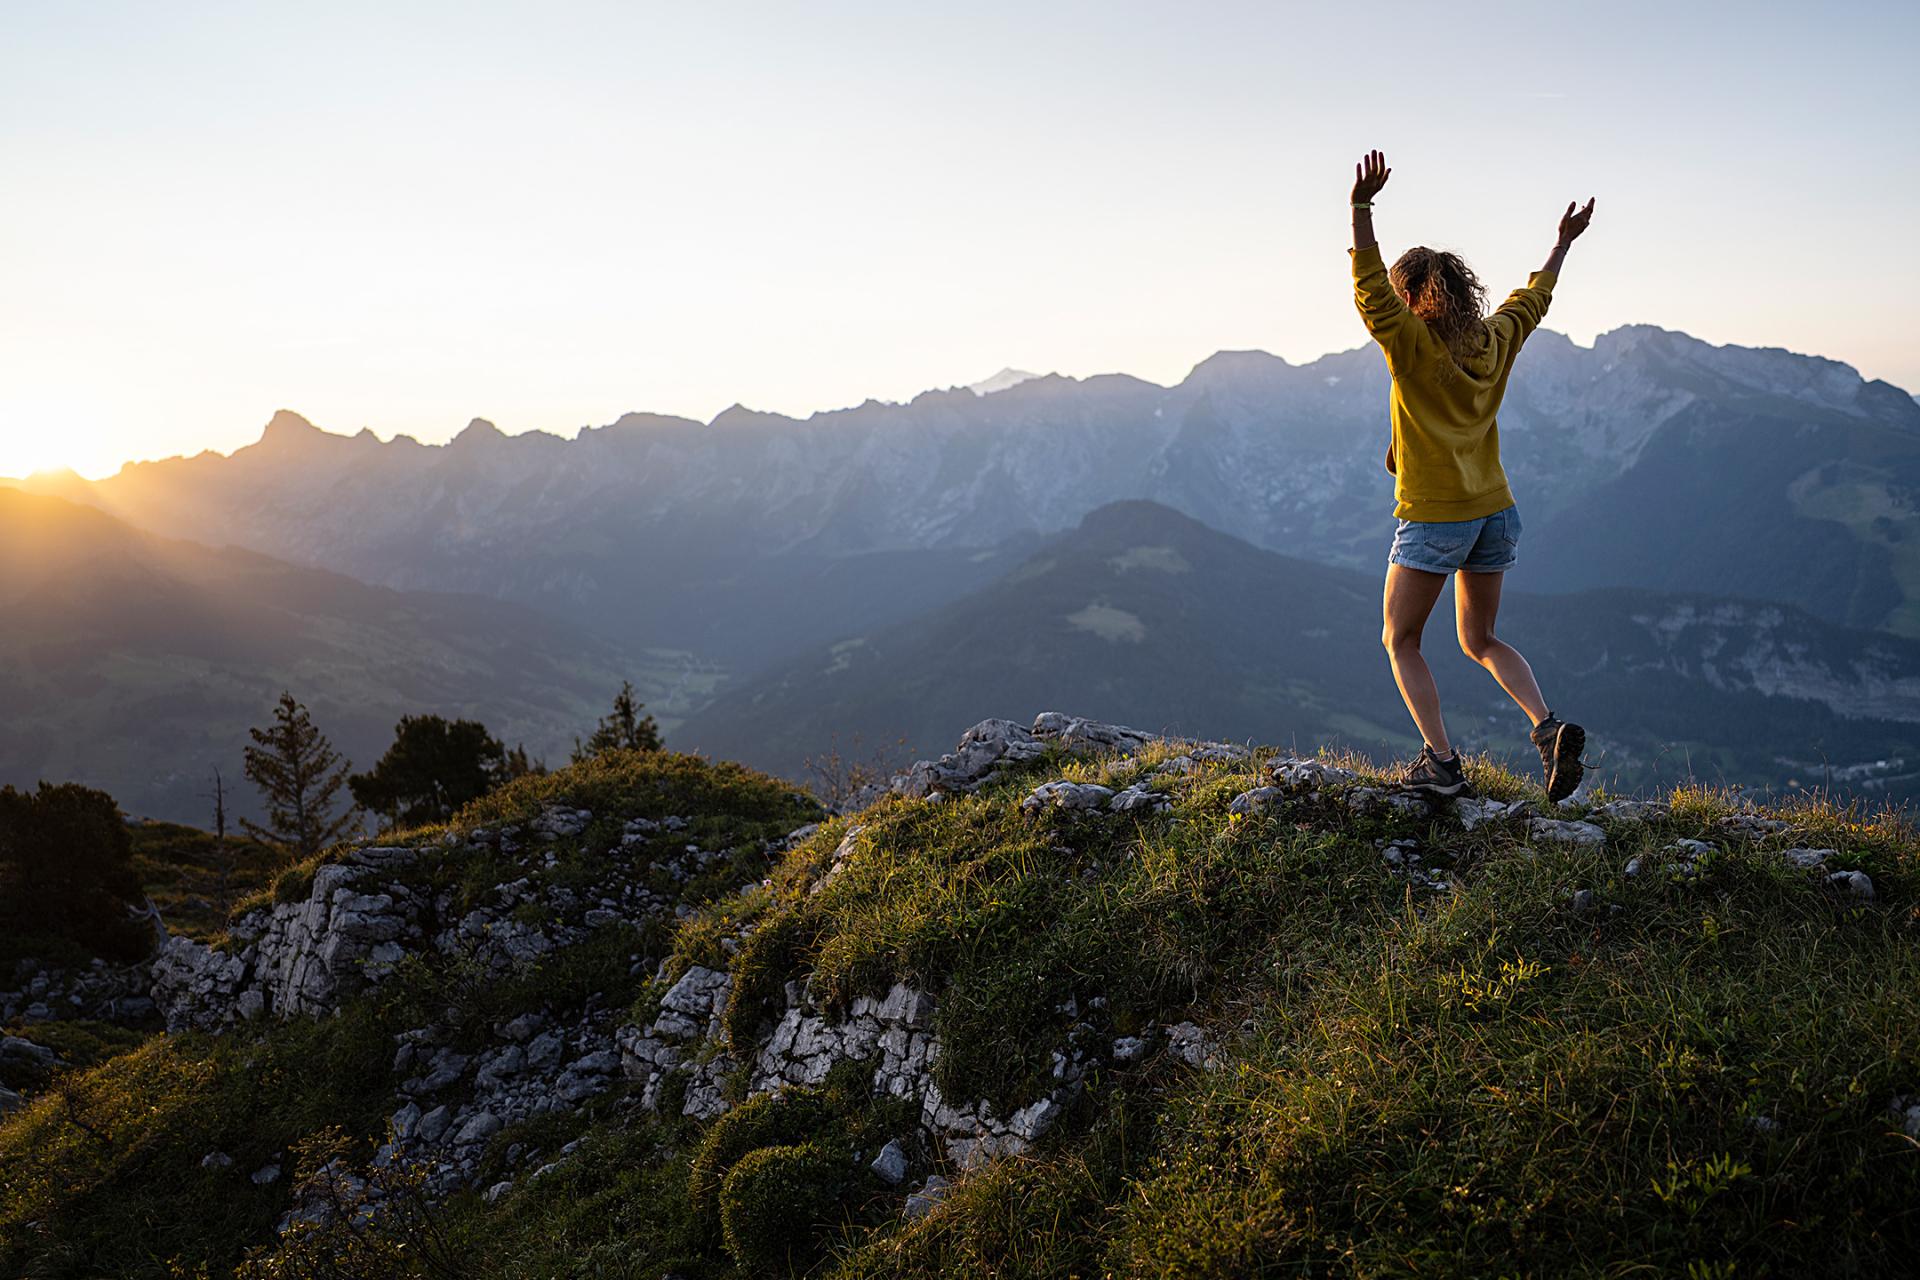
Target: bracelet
[{"x": 1360, "y": 204}]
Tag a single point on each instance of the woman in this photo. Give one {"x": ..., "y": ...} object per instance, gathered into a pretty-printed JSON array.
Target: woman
[{"x": 1457, "y": 517}]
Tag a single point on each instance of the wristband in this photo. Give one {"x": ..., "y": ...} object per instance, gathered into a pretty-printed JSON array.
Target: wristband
[{"x": 1363, "y": 204}]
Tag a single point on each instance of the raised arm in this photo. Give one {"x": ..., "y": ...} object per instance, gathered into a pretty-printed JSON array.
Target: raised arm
[
  {"x": 1368, "y": 177},
  {"x": 1381, "y": 307},
  {"x": 1525, "y": 307},
  {"x": 1571, "y": 225}
]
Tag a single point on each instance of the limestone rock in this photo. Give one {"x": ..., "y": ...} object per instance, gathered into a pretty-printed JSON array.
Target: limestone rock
[
  {"x": 1257, "y": 801},
  {"x": 1307, "y": 775},
  {"x": 1752, "y": 825},
  {"x": 1583, "y": 835},
  {"x": 1089, "y": 737},
  {"x": 1192, "y": 1045},
  {"x": 890, "y": 1166},
  {"x": 1855, "y": 884},
  {"x": 1474, "y": 811},
  {"x": 1141, "y": 799},
  {"x": 23, "y": 1052},
  {"x": 478, "y": 1128},
  {"x": 1067, "y": 795},
  {"x": 1631, "y": 810},
  {"x": 923, "y": 1202},
  {"x": 981, "y": 750}
]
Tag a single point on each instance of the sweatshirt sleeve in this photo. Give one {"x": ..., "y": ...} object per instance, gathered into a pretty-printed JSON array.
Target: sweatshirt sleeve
[
  {"x": 1387, "y": 318},
  {"x": 1525, "y": 307}
]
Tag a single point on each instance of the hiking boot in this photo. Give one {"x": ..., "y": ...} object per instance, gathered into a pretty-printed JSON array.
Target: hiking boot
[
  {"x": 1435, "y": 776},
  {"x": 1560, "y": 745}
]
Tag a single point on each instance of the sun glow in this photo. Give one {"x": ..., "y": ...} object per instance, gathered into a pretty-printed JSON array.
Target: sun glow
[{"x": 24, "y": 455}]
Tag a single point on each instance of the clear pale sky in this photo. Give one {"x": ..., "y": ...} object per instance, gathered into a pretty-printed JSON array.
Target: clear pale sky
[{"x": 404, "y": 216}]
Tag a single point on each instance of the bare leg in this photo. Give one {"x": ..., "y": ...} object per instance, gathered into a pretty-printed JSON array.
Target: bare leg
[
  {"x": 1409, "y": 600},
  {"x": 1476, "y": 601}
]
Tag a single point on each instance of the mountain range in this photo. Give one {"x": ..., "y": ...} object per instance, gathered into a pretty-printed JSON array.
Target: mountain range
[
  {"x": 1648, "y": 459},
  {"x": 1722, "y": 550}
]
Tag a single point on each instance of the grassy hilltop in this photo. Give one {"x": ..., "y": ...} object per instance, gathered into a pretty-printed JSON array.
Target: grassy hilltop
[{"x": 1415, "y": 1048}]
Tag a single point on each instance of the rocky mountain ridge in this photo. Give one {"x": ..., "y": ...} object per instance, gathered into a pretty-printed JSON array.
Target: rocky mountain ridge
[{"x": 1268, "y": 451}]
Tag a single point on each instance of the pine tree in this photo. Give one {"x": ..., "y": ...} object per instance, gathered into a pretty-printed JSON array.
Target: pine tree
[
  {"x": 300, "y": 775},
  {"x": 520, "y": 765},
  {"x": 434, "y": 767},
  {"x": 623, "y": 729}
]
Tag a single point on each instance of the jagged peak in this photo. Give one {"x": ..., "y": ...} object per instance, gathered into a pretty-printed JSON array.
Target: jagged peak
[
  {"x": 288, "y": 420},
  {"x": 1007, "y": 377},
  {"x": 289, "y": 433},
  {"x": 285, "y": 425},
  {"x": 478, "y": 432},
  {"x": 1628, "y": 337}
]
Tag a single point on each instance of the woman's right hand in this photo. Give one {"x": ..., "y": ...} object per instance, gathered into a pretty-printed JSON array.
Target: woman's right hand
[{"x": 1572, "y": 224}]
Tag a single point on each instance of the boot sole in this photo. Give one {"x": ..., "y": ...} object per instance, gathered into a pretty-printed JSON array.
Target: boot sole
[
  {"x": 1445, "y": 790},
  {"x": 1564, "y": 780},
  {"x": 1438, "y": 788}
]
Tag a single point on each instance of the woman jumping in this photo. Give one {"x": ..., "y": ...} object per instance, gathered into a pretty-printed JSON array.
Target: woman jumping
[{"x": 1450, "y": 366}]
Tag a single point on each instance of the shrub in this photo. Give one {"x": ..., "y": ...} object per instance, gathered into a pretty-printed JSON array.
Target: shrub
[
  {"x": 293, "y": 885},
  {"x": 66, "y": 873},
  {"x": 648, "y": 784},
  {"x": 771, "y": 1119},
  {"x": 774, "y": 1203}
]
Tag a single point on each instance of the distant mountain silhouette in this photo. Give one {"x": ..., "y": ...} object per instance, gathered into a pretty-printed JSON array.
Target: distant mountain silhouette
[
  {"x": 137, "y": 663},
  {"x": 1649, "y": 459},
  {"x": 1145, "y": 616}
]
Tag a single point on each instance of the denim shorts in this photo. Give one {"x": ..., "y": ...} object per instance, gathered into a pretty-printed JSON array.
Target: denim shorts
[{"x": 1486, "y": 545}]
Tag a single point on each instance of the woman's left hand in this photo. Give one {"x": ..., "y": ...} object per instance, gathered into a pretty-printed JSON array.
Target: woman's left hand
[{"x": 1369, "y": 176}]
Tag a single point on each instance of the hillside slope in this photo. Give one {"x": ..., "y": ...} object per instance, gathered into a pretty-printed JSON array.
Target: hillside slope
[
  {"x": 1145, "y": 616},
  {"x": 1072, "y": 1000},
  {"x": 136, "y": 663}
]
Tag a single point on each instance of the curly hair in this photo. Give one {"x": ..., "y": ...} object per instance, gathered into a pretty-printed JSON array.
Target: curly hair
[{"x": 1442, "y": 290}]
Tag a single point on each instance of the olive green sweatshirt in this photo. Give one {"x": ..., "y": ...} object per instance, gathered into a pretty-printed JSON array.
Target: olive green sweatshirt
[{"x": 1444, "y": 453}]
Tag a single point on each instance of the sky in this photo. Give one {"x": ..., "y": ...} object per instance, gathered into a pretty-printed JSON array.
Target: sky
[{"x": 401, "y": 217}]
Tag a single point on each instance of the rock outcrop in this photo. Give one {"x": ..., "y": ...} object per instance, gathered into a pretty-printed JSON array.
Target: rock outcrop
[
  {"x": 365, "y": 914},
  {"x": 368, "y": 912},
  {"x": 103, "y": 992}
]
